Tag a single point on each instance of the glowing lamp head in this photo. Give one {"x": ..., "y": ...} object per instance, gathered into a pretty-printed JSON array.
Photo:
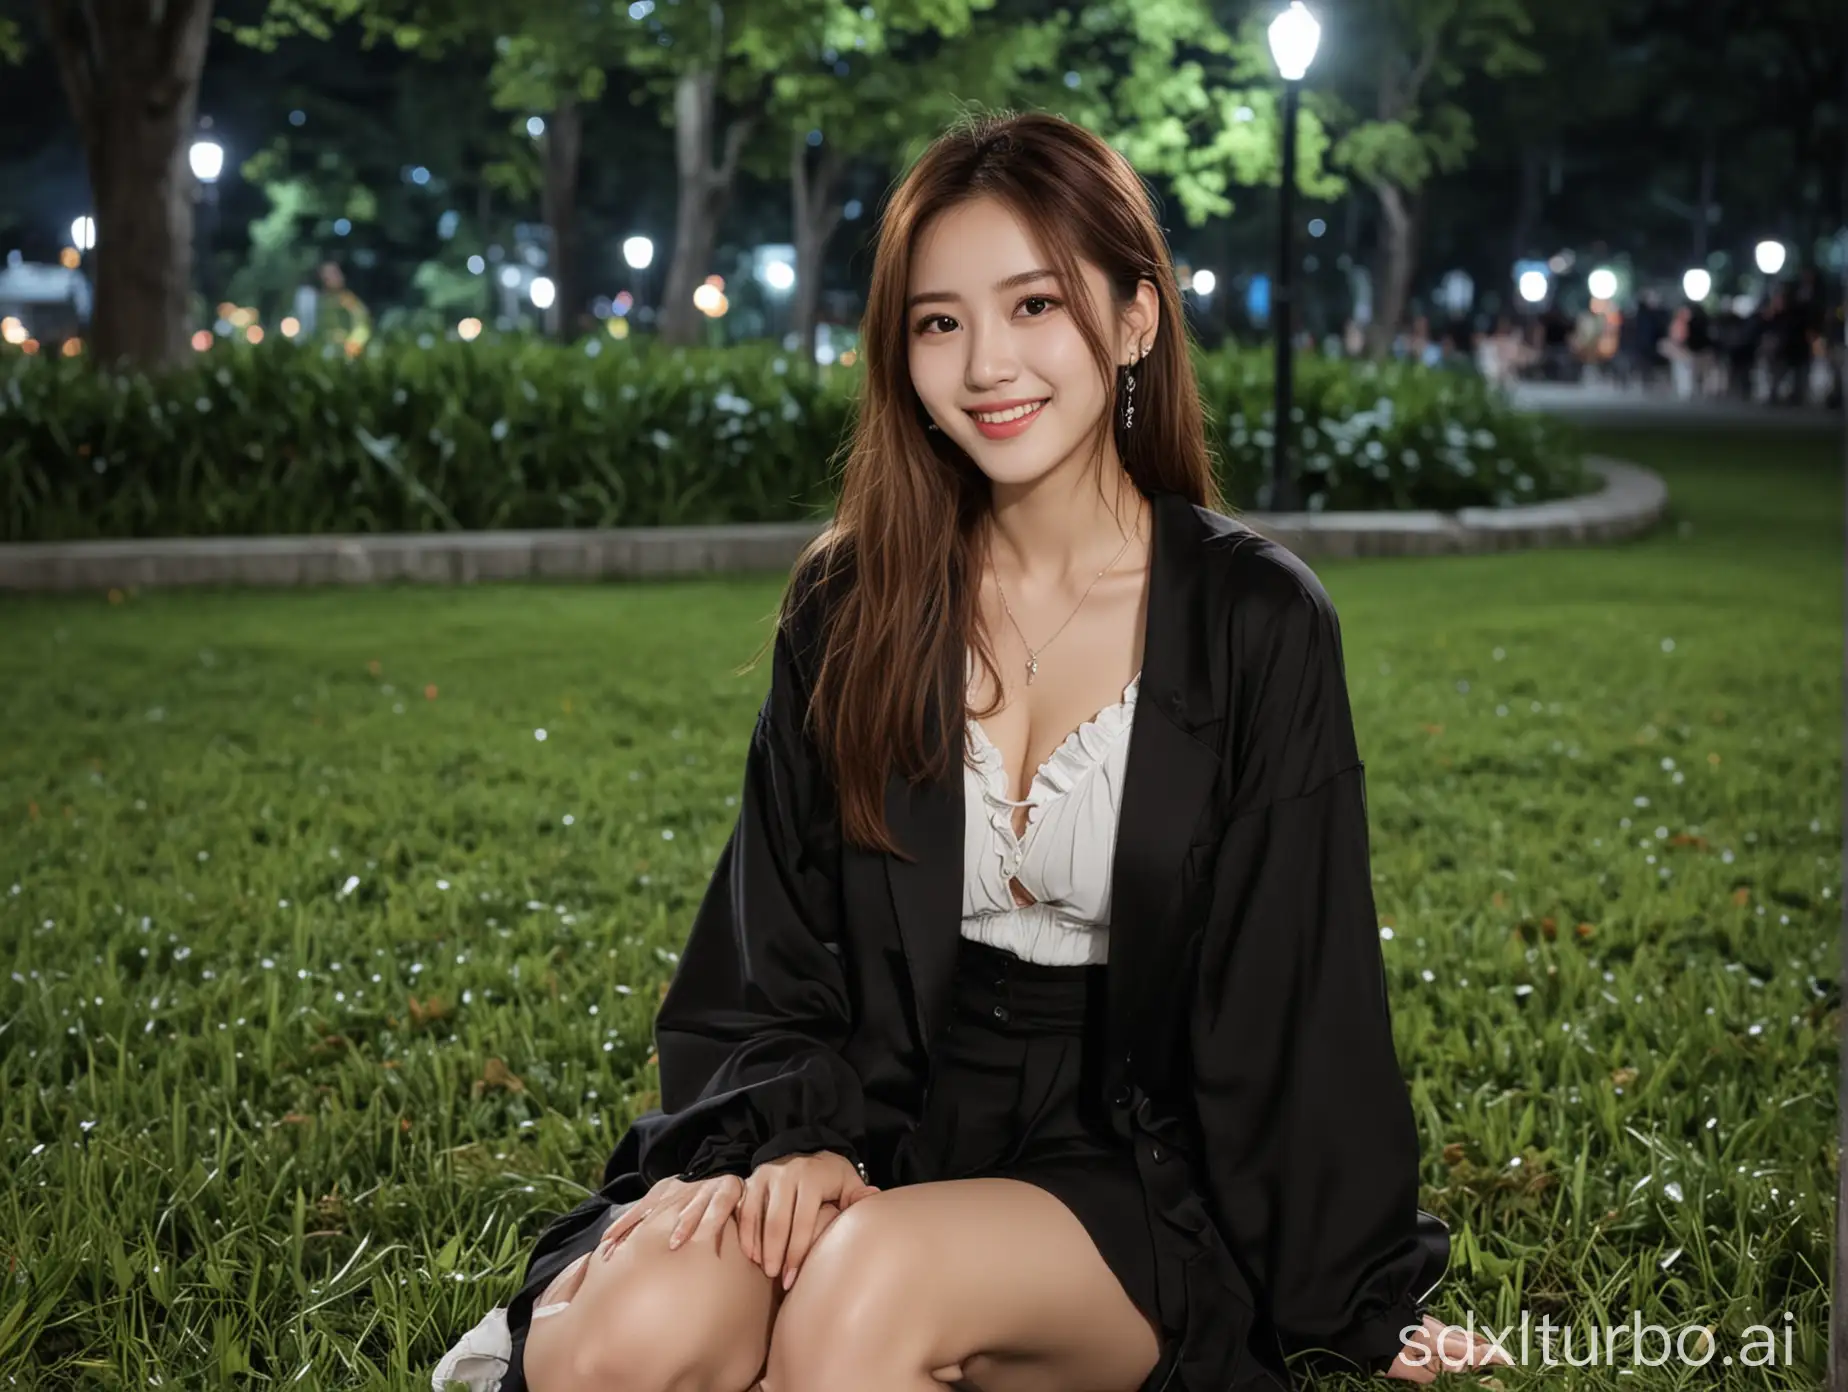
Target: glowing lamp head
[
  {"x": 1294, "y": 37},
  {"x": 207, "y": 158}
]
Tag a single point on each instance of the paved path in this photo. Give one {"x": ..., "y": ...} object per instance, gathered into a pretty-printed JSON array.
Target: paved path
[{"x": 1604, "y": 405}]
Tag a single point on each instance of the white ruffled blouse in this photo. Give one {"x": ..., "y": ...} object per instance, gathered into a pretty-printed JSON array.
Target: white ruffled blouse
[{"x": 1063, "y": 859}]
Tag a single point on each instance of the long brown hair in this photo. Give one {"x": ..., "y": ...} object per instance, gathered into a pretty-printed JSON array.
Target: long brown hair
[{"x": 909, "y": 523}]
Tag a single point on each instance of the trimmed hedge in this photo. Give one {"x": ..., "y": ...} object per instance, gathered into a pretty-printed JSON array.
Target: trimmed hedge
[{"x": 437, "y": 435}]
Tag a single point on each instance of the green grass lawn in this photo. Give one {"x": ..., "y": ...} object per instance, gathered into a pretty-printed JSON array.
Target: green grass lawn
[{"x": 335, "y": 922}]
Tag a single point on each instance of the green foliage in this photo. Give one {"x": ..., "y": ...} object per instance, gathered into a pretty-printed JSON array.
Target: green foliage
[
  {"x": 1422, "y": 50},
  {"x": 515, "y": 433},
  {"x": 1188, "y": 101},
  {"x": 1386, "y": 435}
]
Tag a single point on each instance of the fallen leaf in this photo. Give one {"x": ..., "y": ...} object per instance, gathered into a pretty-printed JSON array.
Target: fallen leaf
[
  {"x": 422, "y": 1012},
  {"x": 496, "y": 1074}
]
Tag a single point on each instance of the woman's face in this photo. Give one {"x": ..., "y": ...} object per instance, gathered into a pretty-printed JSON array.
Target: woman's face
[{"x": 990, "y": 335}]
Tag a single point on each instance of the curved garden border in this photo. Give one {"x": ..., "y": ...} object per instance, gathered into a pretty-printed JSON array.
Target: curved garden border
[{"x": 1632, "y": 501}]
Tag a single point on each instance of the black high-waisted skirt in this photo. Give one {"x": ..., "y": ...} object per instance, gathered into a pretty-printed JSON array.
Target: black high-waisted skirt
[{"x": 1014, "y": 1094}]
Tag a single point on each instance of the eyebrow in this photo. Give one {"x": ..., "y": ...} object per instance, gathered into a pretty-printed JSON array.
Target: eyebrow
[{"x": 1025, "y": 277}]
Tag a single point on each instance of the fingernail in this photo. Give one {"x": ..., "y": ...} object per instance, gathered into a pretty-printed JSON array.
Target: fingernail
[
  {"x": 789, "y": 1278},
  {"x": 673, "y": 1242}
]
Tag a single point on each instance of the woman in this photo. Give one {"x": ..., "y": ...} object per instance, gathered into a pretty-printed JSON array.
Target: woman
[{"x": 1046, "y": 1045}]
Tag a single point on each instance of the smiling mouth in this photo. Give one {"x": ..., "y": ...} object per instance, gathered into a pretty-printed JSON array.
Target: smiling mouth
[{"x": 1013, "y": 413}]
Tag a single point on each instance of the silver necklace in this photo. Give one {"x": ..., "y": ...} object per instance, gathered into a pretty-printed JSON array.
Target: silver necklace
[{"x": 1033, "y": 652}]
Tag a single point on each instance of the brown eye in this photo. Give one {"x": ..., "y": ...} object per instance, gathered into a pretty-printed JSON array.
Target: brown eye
[{"x": 1038, "y": 299}]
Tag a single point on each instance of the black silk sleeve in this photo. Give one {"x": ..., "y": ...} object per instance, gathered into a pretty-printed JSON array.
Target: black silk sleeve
[
  {"x": 1311, "y": 1150},
  {"x": 750, "y": 1031}
]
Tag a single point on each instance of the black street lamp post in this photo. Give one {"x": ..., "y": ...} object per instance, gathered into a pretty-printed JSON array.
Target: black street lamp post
[{"x": 1294, "y": 35}]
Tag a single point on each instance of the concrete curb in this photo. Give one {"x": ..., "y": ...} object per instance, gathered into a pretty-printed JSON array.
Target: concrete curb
[{"x": 1631, "y": 502}]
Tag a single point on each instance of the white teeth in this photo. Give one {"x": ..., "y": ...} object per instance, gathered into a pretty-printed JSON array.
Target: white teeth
[{"x": 1003, "y": 417}]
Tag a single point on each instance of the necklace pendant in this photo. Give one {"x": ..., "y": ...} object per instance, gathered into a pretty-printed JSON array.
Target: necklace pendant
[{"x": 1032, "y": 669}]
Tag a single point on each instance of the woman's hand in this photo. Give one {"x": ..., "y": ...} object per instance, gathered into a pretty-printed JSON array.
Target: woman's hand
[
  {"x": 782, "y": 1213},
  {"x": 1445, "y": 1348},
  {"x": 703, "y": 1205}
]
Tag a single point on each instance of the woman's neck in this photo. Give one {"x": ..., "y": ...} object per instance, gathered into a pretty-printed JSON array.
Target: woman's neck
[{"x": 1056, "y": 530}]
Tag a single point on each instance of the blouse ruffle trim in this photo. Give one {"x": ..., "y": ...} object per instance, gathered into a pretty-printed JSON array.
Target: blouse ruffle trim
[{"x": 1083, "y": 750}]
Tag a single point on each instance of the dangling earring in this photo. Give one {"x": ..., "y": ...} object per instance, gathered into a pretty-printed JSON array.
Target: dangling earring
[{"x": 1129, "y": 386}]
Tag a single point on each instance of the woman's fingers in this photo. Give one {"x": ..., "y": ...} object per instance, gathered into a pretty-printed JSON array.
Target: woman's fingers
[
  {"x": 751, "y": 1220},
  {"x": 1445, "y": 1347},
  {"x": 803, "y": 1214},
  {"x": 712, "y": 1226},
  {"x": 779, "y": 1205},
  {"x": 625, "y": 1223},
  {"x": 690, "y": 1217}
]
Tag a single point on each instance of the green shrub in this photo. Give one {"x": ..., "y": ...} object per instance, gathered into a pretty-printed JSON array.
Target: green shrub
[
  {"x": 433, "y": 435},
  {"x": 1386, "y": 436}
]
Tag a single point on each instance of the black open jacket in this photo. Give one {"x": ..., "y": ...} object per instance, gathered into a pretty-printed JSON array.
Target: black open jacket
[{"x": 1250, "y": 1055}]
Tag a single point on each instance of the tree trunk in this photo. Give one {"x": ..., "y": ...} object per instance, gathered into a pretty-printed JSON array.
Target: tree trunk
[
  {"x": 816, "y": 215},
  {"x": 704, "y": 190},
  {"x": 1398, "y": 255},
  {"x": 564, "y": 134},
  {"x": 131, "y": 73}
]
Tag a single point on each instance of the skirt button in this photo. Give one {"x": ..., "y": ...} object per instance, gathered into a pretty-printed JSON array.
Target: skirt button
[
  {"x": 1001, "y": 1012},
  {"x": 1157, "y": 1154}
]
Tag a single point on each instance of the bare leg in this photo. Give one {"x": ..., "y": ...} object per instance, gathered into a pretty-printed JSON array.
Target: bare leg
[
  {"x": 652, "y": 1320},
  {"x": 990, "y": 1282}
]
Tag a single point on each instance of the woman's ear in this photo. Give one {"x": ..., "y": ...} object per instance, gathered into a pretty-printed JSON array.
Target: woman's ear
[{"x": 1141, "y": 321}]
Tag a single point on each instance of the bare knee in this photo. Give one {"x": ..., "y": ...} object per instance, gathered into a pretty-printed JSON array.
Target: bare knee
[
  {"x": 847, "y": 1314},
  {"x": 652, "y": 1320},
  {"x": 648, "y": 1348}
]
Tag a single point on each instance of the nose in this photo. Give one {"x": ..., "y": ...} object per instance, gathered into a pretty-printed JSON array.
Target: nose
[{"x": 991, "y": 361}]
